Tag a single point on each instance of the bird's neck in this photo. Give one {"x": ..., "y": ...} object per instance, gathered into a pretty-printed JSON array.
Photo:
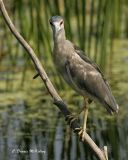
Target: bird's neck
[{"x": 59, "y": 37}]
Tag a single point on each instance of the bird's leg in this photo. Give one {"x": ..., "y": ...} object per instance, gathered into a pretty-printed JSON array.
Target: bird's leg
[
  {"x": 85, "y": 114},
  {"x": 71, "y": 118},
  {"x": 82, "y": 131}
]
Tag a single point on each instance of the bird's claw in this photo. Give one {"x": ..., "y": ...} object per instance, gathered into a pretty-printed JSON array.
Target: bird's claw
[
  {"x": 71, "y": 118},
  {"x": 77, "y": 130},
  {"x": 81, "y": 133}
]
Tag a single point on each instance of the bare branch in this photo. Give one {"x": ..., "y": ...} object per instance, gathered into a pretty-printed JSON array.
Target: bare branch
[{"x": 57, "y": 99}]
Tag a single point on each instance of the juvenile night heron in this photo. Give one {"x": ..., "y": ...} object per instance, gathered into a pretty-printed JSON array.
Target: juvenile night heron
[{"x": 82, "y": 74}]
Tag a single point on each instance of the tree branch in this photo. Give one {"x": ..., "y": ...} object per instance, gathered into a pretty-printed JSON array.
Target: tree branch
[{"x": 57, "y": 99}]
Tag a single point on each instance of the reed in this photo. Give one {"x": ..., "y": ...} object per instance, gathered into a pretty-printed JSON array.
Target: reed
[{"x": 93, "y": 25}]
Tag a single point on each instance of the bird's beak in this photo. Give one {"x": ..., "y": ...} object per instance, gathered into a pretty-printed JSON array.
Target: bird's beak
[{"x": 57, "y": 26}]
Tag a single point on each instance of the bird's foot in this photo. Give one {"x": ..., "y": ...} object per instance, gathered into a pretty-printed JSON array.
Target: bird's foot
[
  {"x": 71, "y": 118},
  {"x": 81, "y": 133}
]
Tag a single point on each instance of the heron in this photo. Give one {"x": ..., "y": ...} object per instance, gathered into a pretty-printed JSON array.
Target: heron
[{"x": 81, "y": 73}]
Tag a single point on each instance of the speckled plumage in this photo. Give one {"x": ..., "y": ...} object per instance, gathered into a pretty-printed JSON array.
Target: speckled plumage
[{"x": 82, "y": 74}]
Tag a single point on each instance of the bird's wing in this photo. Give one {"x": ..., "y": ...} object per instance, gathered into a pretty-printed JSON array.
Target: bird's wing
[
  {"x": 90, "y": 82},
  {"x": 87, "y": 59}
]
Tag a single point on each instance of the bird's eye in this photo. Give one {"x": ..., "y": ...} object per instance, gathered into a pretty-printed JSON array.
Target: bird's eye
[
  {"x": 61, "y": 23},
  {"x": 51, "y": 23}
]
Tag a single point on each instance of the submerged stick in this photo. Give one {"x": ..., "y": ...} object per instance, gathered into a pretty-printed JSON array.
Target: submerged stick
[{"x": 52, "y": 91}]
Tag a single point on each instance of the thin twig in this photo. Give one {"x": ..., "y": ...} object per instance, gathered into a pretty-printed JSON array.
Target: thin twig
[{"x": 57, "y": 99}]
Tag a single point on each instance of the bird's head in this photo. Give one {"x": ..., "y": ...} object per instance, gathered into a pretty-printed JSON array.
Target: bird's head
[{"x": 57, "y": 24}]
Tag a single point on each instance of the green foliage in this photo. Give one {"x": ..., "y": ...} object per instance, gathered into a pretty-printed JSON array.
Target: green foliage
[{"x": 92, "y": 25}]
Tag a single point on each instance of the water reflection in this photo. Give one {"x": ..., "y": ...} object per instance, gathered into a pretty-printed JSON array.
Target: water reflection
[
  {"x": 18, "y": 139},
  {"x": 42, "y": 139},
  {"x": 58, "y": 142}
]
